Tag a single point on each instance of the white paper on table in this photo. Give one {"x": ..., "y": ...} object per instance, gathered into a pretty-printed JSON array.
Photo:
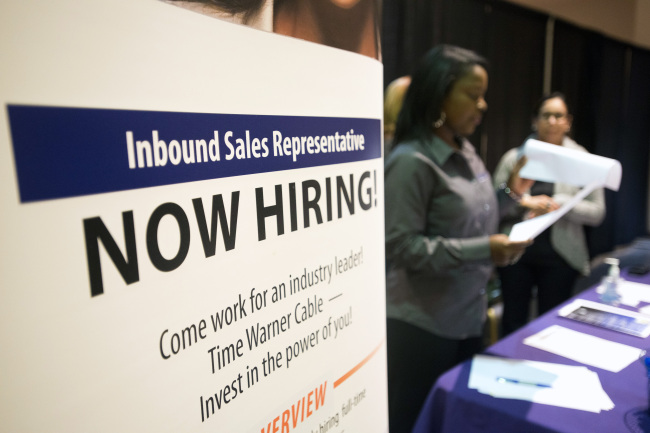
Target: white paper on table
[
  {"x": 584, "y": 348},
  {"x": 632, "y": 293},
  {"x": 567, "y": 386},
  {"x": 550, "y": 163}
]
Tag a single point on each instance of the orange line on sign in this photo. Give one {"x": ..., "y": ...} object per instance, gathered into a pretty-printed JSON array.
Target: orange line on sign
[{"x": 357, "y": 367}]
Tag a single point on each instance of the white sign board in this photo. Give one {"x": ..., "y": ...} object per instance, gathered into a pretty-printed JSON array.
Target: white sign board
[{"x": 191, "y": 225}]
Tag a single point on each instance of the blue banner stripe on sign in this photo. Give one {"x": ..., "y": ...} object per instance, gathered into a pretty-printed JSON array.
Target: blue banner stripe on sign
[{"x": 67, "y": 152}]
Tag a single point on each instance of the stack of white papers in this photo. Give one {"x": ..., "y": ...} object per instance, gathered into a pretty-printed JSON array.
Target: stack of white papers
[
  {"x": 539, "y": 382},
  {"x": 584, "y": 348}
]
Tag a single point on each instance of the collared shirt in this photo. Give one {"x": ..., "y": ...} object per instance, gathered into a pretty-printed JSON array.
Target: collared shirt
[{"x": 441, "y": 209}]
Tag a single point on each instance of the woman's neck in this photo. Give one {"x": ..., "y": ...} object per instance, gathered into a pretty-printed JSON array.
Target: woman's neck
[{"x": 448, "y": 136}]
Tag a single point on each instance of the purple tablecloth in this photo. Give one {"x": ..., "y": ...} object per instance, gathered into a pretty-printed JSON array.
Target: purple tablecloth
[{"x": 451, "y": 407}]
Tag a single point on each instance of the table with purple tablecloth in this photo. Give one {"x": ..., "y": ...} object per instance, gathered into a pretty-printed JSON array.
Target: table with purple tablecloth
[{"x": 452, "y": 407}]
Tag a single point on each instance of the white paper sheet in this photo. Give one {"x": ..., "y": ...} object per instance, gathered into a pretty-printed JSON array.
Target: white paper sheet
[
  {"x": 584, "y": 348},
  {"x": 539, "y": 382},
  {"x": 531, "y": 228},
  {"x": 550, "y": 163},
  {"x": 631, "y": 293}
]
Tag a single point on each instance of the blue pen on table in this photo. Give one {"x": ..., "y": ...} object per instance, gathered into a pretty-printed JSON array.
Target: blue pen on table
[{"x": 522, "y": 382}]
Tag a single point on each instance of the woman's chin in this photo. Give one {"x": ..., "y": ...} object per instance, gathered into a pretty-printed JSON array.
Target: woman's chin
[{"x": 468, "y": 131}]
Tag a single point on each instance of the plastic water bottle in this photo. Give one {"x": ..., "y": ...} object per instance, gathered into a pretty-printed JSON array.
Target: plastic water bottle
[{"x": 610, "y": 293}]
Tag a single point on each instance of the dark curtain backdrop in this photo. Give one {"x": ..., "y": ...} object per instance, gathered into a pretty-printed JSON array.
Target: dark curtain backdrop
[
  {"x": 631, "y": 202},
  {"x": 606, "y": 83},
  {"x": 510, "y": 37}
]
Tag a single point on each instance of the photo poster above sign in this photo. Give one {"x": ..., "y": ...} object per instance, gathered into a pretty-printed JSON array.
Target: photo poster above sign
[{"x": 192, "y": 225}]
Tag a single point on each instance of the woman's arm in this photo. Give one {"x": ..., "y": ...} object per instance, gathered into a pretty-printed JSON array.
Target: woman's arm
[
  {"x": 507, "y": 174},
  {"x": 504, "y": 167}
]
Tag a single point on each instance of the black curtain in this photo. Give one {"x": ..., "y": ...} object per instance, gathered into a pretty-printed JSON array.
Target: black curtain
[
  {"x": 606, "y": 84},
  {"x": 510, "y": 37},
  {"x": 631, "y": 205},
  {"x": 409, "y": 29},
  {"x": 515, "y": 40}
]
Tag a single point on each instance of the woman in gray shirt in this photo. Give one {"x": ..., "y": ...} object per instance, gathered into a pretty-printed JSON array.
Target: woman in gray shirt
[{"x": 442, "y": 216}]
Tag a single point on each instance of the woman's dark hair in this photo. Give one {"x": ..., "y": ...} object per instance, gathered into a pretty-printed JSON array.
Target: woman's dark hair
[
  {"x": 538, "y": 106},
  {"x": 431, "y": 81},
  {"x": 247, "y": 8}
]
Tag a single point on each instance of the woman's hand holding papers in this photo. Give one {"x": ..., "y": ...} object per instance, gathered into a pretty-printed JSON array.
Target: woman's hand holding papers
[
  {"x": 505, "y": 252},
  {"x": 539, "y": 205}
]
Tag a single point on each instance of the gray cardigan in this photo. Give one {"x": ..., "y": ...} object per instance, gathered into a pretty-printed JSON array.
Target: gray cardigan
[{"x": 567, "y": 234}]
